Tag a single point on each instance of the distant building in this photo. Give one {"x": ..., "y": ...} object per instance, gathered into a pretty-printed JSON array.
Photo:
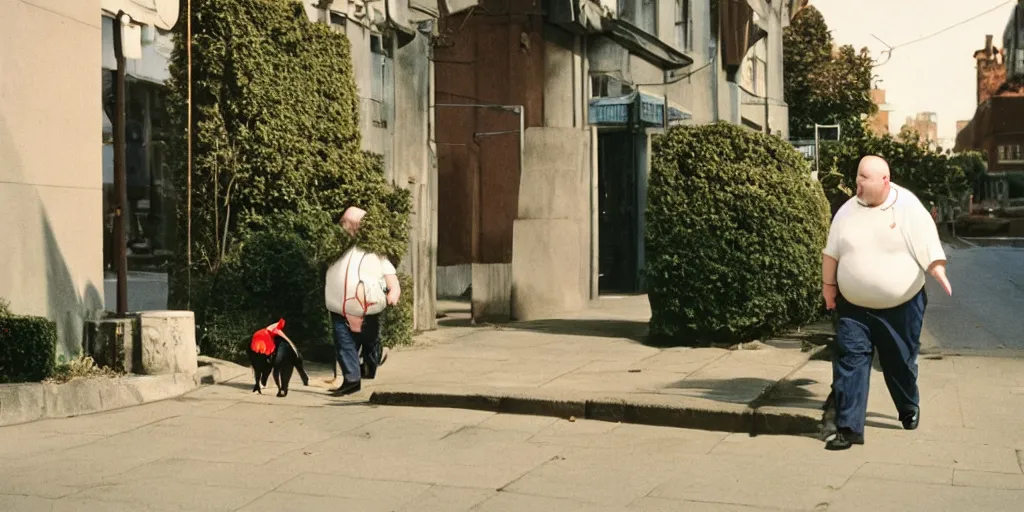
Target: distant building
[
  {"x": 926, "y": 125},
  {"x": 960, "y": 125},
  {"x": 997, "y": 128},
  {"x": 878, "y": 123},
  {"x": 991, "y": 70},
  {"x": 1013, "y": 42}
]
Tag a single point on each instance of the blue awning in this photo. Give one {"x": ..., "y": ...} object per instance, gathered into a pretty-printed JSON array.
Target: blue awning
[{"x": 615, "y": 110}]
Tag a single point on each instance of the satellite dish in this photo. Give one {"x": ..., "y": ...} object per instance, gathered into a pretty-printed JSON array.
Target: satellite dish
[{"x": 167, "y": 12}]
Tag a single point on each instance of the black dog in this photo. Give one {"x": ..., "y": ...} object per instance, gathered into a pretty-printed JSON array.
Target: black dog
[{"x": 282, "y": 359}]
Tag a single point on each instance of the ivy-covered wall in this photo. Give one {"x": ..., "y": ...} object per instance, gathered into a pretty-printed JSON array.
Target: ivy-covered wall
[{"x": 276, "y": 159}]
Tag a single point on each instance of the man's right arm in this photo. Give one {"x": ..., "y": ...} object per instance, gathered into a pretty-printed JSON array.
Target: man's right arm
[
  {"x": 830, "y": 266},
  {"x": 829, "y": 283}
]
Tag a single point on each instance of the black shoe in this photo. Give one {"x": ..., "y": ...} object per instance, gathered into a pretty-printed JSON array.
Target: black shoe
[
  {"x": 347, "y": 388},
  {"x": 844, "y": 439},
  {"x": 911, "y": 419},
  {"x": 364, "y": 366}
]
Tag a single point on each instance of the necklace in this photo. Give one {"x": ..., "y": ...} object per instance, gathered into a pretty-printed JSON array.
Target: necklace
[{"x": 892, "y": 207}]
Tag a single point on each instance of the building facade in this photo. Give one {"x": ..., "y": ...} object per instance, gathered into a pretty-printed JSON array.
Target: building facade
[
  {"x": 51, "y": 182},
  {"x": 544, "y": 120},
  {"x": 878, "y": 122},
  {"x": 925, "y": 125},
  {"x": 997, "y": 129},
  {"x": 991, "y": 69}
]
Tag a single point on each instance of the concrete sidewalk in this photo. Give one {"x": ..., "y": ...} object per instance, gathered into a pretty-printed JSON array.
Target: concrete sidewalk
[{"x": 595, "y": 365}]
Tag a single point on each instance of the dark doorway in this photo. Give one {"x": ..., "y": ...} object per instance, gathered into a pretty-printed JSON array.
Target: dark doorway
[{"x": 617, "y": 203}]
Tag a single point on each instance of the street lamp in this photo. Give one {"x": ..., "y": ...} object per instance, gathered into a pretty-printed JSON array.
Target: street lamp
[{"x": 122, "y": 27}]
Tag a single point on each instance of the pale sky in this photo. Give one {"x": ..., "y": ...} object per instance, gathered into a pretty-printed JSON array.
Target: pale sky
[{"x": 934, "y": 75}]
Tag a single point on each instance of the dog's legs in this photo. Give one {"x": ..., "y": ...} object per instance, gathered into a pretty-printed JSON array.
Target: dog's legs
[
  {"x": 265, "y": 371},
  {"x": 301, "y": 370},
  {"x": 286, "y": 376},
  {"x": 277, "y": 378},
  {"x": 256, "y": 386}
]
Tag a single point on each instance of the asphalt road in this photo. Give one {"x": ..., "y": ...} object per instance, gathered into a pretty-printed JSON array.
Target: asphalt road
[{"x": 986, "y": 311}]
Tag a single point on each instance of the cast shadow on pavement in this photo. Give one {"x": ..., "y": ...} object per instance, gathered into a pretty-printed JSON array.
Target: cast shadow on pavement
[{"x": 600, "y": 328}]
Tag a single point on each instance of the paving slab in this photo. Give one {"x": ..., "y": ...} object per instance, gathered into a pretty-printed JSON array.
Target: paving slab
[{"x": 436, "y": 459}]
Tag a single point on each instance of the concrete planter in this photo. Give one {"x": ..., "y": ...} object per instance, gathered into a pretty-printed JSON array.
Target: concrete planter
[
  {"x": 167, "y": 342},
  {"x": 145, "y": 343}
]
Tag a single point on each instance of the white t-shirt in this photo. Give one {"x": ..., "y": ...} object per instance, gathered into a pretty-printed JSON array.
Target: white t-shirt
[
  {"x": 344, "y": 276},
  {"x": 883, "y": 251}
]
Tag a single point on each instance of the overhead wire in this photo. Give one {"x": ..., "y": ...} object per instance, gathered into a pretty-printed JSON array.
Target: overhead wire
[{"x": 888, "y": 52}]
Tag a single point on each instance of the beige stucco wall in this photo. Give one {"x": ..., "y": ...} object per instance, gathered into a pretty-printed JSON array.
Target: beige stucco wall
[
  {"x": 552, "y": 268},
  {"x": 50, "y": 162}
]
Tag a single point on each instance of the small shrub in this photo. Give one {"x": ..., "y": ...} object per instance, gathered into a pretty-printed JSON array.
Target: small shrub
[
  {"x": 735, "y": 228},
  {"x": 80, "y": 368},
  {"x": 28, "y": 346}
]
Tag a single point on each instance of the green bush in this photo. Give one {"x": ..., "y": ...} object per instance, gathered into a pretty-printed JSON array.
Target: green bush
[
  {"x": 396, "y": 321},
  {"x": 272, "y": 273},
  {"x": 735, "y": 229},
  {"x": 276, "y": 159},
  {"x": 28, "y": 346},
  {"x": 932, "y": 175}
]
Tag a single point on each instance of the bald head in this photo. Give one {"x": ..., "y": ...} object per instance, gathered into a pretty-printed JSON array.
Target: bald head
[
  {"x": 872, "y": 180},
  {"x": 351, "y": 219},
  {"x": 874, "y": 166}
]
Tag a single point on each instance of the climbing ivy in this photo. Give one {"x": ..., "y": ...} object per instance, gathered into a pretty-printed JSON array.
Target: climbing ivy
[{"x": 276, "y": 159}]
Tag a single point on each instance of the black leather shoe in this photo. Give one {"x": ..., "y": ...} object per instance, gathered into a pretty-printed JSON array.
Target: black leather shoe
[
  {"x": 347, "y": 388},
  {"x": 911, "y": 419},
  {"x": 844, "y": 439}
]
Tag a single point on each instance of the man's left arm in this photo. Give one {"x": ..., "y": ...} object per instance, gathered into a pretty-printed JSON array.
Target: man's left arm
[{"x": 927, "y": 247}]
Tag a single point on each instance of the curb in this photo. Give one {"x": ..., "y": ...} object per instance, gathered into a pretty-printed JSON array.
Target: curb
[
  {"x": 641, "y": 409},
  {"x": 28, "y": 402},
  {"x": 24, "y": 403}
]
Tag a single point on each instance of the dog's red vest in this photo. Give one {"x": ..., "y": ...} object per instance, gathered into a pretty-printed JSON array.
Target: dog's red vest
[{"x": 263, "y": 340}]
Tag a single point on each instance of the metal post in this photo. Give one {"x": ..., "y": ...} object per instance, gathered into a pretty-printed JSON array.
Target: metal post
[
  {"x": 188, "y": 166},
  {"x": 816, "y": 147},
  {"x": 120, "y": 187}
]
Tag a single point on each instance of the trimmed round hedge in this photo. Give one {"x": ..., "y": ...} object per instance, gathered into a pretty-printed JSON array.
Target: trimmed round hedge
[{"x": 735, "y": 229}]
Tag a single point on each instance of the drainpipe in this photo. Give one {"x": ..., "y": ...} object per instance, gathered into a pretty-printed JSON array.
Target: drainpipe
[
  {"x": 713, "y": 49},
  {"x": 120, "y": 187}
]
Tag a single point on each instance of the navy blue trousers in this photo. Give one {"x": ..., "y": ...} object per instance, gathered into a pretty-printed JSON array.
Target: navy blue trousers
[
  {"x": 348, "y": 346},
  {"x": 896, "y": 334}
]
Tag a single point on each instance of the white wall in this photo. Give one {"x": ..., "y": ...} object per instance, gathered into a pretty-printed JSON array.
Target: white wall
[{"x": 50, "y": 162}]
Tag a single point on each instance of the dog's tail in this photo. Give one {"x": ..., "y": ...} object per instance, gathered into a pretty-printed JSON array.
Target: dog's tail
[{"x": 290, "y": 342}]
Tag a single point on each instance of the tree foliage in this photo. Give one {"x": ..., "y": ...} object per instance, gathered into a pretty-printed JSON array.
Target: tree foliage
[
  {"x": 932, "y": 175},
  {"x": 276, "y": 159},
  {"x": 735, "y": 228},
  {"x": 823, "y": 85}
]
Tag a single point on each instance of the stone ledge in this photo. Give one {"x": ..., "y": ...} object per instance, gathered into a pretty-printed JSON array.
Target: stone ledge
[
  {"x": 638, "y": 408},
  {"x": 23, "y": 403}
]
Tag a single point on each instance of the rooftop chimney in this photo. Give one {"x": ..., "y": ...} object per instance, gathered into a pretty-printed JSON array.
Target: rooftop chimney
[{"x": 988, "y": 45}]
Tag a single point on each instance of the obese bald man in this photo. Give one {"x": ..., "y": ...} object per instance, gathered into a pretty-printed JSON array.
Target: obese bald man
[
  {"x": 350, "y": 294},
  {"x": 880, "y": 245}
]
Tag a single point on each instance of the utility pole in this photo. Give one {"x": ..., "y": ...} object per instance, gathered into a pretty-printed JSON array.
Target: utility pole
[{"x": 120, "y": 187}]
